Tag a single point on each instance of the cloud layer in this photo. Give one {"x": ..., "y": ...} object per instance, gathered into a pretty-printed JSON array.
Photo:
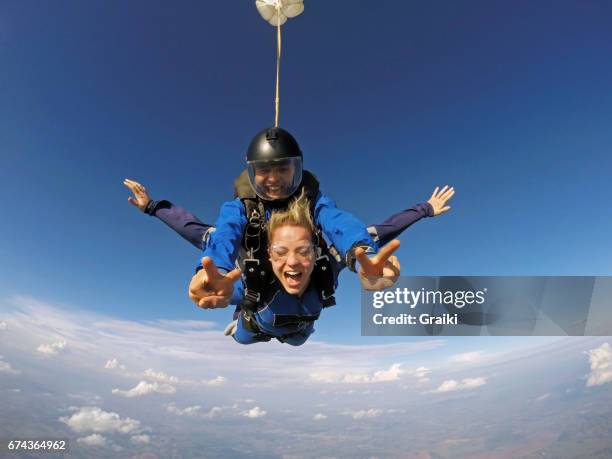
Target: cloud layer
[{"x": 118, "y": 385}]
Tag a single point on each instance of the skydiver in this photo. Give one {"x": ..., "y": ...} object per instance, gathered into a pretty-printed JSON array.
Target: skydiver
[{"x": 291, "y": 303}]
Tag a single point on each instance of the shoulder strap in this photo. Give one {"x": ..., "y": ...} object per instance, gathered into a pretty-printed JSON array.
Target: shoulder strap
[{"x": 256, "y": 268}]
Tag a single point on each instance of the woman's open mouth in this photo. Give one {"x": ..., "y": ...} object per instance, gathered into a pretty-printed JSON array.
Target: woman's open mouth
[{"x": 293, "y": 278}]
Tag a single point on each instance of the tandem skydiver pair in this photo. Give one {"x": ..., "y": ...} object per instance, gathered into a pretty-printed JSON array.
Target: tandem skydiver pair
[{"x": 282, "y": 300}]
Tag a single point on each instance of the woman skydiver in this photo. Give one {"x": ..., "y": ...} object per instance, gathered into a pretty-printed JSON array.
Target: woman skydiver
[{"x": 291, "y": 303}]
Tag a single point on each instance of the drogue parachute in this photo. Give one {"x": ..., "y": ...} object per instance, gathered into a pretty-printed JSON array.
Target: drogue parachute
[{"x": 276, "y": 12}]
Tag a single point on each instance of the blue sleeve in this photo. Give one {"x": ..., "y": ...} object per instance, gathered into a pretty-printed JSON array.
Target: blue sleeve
[
  {"x": 341, "y": 228},
  {"x": 224, "y": 243},
  {"x": 180, "y": 220},
  {"x": 393, "y": 226}
]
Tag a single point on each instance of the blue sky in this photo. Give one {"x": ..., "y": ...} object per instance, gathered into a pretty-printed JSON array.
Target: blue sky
[{"x": 509, "y": 102}]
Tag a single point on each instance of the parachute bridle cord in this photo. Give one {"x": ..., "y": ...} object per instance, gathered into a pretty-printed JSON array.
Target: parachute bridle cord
[
  {"x": 278, "y": 56},
  {"x": 275, "y": 13}
]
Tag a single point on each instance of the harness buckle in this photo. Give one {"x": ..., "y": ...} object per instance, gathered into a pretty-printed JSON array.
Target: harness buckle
[{"x": 252, "y": 296}]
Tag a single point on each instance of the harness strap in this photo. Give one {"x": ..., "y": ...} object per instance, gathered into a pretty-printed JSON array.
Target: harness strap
[
  {"x": 322, "y": 274},
  {"x": 323, "y": 279},
  {"x": 282, "y": 320},
  {"x": 256, "y": 269}
]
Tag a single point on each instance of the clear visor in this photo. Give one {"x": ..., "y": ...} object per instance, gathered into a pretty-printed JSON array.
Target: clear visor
[{"x": 277, "y": 179}]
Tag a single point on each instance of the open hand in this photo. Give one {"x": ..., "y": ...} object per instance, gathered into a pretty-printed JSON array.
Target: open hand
[
  {"x": 439, "y": 198},
  {"x": 382, "y": 270},
  {"x": 141, "y": 198},
  {"x": 211, "y": 289}
]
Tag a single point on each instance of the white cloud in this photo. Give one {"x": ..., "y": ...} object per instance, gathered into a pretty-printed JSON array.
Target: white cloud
[
  {"x": 392, "y": 374},
  {"x": 92, "y": 440},
  {"x": 543, "y": 397},
  {"x": 331, "y": 376},
  {"x": 160, "y": 376},
  {"x": 144, "y": 388},
  {"x": 422, "y": 374},
  {"x": 114, "y": 364},
  {"x": 600, "y": 359},
  {"x": 93, "y": 419},
  {"x": 140, "y": 439},
  {"x": 254, "y": 412},
  {"x": 51, "y": 349},
  {"x": 452, "y": 385},
  {"x": 2, "y": 325},
  {"x": 363, "y": 414},
  {"x": 195, "y": 411},
  {"x": 319, "y": 417},
  {"x": 189, "y": 411},
  {"x": 5, "y": 367},
  {"x": 218, "y": 381}
]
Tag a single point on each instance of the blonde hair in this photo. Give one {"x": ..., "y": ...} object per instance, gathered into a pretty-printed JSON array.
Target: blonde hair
[{"x": 298, "y": 214}]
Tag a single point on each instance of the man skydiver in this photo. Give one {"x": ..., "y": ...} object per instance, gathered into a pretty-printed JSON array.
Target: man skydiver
[{"x": 291, "y": 303}]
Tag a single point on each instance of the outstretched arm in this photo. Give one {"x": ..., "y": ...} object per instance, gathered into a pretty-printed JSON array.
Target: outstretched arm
[
  {"x": 393, "y": 226},
  {"x": 179, "y": 219}
]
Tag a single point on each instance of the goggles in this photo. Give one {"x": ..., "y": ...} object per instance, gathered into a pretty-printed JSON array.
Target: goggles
[{"x": 303, "y": 253}]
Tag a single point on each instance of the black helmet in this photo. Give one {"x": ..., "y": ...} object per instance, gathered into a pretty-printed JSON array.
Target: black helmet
[{"x": 274, "y": 164}]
